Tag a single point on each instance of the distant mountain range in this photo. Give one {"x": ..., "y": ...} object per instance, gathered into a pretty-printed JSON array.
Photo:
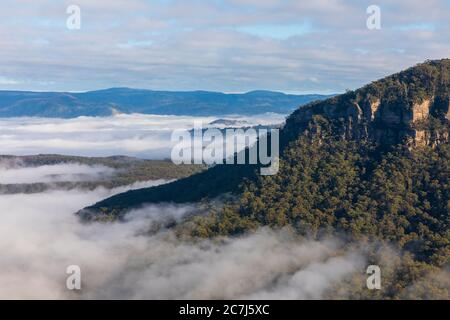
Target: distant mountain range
[{"x": 125, "y": 100}]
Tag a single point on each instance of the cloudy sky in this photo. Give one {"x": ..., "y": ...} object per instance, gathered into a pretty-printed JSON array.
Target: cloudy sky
[{"x": 222, "y": 45}]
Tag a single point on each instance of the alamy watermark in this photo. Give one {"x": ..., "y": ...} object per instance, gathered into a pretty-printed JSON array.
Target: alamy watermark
[
  {"x": 73, "y": 21},
  {"x": 227, "y": 146},
  {"x": 374, "y": 280},
  {"x": 73, "y": 281},
  {"x": 374, "y": 20}
]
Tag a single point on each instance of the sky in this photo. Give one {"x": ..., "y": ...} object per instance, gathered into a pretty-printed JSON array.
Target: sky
[{"x": 298, "y": 46}]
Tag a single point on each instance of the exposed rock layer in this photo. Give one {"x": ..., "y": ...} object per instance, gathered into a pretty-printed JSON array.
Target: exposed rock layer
[{"x": 393, "y": 110}]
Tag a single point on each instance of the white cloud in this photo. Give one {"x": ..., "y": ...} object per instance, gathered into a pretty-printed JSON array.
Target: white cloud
[
  {"x": 8, "y": 81},
  {"x": 147, "y": 136},
  {"x": 40, "y": 237},
  {"x": 206, "y": 44},
  {"x": 53, "y": 173}
]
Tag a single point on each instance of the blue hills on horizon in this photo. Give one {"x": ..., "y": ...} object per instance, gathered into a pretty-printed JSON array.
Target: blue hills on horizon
[{"x": 126, "y": 100}]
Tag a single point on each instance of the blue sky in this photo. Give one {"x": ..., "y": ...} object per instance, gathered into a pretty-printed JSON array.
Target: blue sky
[{"x": 296, "y": 46}]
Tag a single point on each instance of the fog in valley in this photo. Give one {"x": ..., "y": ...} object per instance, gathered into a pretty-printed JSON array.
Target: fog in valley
[{"x": 41, "y": 236}]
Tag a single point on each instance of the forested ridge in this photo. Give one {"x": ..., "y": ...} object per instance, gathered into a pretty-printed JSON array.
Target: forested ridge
[{"x": 335, "y": 181}]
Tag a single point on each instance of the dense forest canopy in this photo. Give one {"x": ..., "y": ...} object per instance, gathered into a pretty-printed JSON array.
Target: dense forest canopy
[{"x": 362, "y": 192}]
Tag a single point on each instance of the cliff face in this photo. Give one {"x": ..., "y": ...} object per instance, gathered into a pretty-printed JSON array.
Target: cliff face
[{"x": 396, "y": 109}]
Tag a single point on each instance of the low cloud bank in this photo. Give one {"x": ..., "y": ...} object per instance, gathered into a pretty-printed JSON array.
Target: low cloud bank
[
  {"x": 145, "y": 136},
  {"x": 53, "y": 173},
  {"x": 263, "y": 265},
  {"x": 40, "y": 237}
]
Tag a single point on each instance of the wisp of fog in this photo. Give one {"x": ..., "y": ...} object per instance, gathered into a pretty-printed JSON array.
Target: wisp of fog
[{"x": 53, "y": 173}]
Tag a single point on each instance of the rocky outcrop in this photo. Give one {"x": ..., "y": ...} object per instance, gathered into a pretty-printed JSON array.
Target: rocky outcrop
[
  {"x": 421, "y": 111},
  {"x": 389, "y": 111},
  {"x": 381, "y": 121}
]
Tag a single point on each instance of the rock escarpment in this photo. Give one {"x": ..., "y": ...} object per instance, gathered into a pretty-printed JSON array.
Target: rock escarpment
[{"x": 402, "y": 108}]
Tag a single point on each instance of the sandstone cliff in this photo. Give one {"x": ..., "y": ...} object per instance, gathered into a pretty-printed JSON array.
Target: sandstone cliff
[{"x": 402, "y": 108}]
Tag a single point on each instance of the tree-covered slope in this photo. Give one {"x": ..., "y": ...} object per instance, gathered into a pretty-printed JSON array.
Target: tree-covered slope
[
  {"x": 357, "y": 189},
  {"x": 394, "y": 203}
]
